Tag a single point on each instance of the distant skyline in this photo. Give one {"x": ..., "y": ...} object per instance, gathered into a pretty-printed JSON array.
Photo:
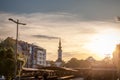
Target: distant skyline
[{"x": 87, "y": 28}]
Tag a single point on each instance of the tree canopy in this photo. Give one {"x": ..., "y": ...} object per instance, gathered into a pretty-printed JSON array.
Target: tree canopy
[
  {"x": 75, "y": 63},
  {"x": 7, "y": 62},
  {"x": 7, "y": 59}
]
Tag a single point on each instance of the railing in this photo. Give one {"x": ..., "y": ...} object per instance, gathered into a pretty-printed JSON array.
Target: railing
[{"x": 53, "y": 74}]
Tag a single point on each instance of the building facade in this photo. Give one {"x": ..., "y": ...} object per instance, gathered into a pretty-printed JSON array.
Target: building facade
[
  {"x": 36, "y": 56},
  {"x": 32, "y": 55},
  {"x": 39, "y": 59}
]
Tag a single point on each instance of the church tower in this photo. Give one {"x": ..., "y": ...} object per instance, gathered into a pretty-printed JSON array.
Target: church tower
[
  {"x": 59, "y": 60},
  {"x": 60, "y": 51}
]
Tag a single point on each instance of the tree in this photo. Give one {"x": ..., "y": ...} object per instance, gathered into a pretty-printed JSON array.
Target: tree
[
  {"x": 7, "y": 58},
  {"x": 7, "y": 62},
  {"x": 52, "y": 63},
  {"x": 84, "y": 64},
  {"x": 75, "y": 63},
  {"x": 107, "y": 60},
  {"x": 8, "y": 47},
  {"x": 63, "y": 63},
  {"x": 72, "y": 63}
]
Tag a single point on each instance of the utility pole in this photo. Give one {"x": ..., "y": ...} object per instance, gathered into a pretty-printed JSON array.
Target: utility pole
[{"x": 16, "y": 50}]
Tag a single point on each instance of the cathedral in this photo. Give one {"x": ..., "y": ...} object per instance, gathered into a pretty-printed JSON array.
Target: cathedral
[{"x": 59, "y": 59}]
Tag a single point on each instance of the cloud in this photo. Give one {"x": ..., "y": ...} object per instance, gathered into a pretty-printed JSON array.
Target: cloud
[
  {"x": 74, "y": 32},
  {"x": 45, "y": 37},
  {"x": 79, "y": 55}
]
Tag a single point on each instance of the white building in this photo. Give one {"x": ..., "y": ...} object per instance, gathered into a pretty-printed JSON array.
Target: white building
[
  {"x": 38, "y": 56},
  {"x": 41, "y": 57}
]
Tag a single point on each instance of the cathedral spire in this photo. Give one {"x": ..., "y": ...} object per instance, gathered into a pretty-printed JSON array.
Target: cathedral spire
[
  {"x": 59, "y": 43},
  {"x": 59, "y": 60},
  {"x": 60, "y": 50}
]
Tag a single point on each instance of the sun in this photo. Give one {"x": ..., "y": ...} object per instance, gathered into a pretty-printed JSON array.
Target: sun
[{"x": 102, "y": 44}]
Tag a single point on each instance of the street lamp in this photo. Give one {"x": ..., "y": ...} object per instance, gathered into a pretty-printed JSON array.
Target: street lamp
[{"x": 16, "y": 51}]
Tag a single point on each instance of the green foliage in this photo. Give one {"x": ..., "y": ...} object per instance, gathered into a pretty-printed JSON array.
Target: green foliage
[
  {"x": 72, "y": 63},
  {"x": 7, "y": 59},
  {"x": 7, "y": 62},
  {"x": 52, "y": 63},
  {"x": 8, "y": 43},
  {"x": 75, "y": 63},
  {"x": 63, "y": 63}
]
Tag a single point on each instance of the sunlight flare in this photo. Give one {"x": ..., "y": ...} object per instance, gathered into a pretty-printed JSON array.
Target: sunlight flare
[{"x": 103, "y": 44}]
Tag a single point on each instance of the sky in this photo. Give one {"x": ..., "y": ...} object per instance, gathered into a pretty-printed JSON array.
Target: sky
[{"x": 86, "y": 27}]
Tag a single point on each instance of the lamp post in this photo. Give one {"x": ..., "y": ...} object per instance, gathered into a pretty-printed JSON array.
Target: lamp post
[{"x": 16, "y": 51}]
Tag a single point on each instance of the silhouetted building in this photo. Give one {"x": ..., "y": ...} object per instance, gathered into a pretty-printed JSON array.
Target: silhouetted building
[
  {"x": 116, "y": 55},
  {"x": 59, "y": 60},
  {"x": 116, "y": 58}
]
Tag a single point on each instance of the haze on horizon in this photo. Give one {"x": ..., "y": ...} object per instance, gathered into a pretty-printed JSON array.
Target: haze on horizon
[{"x": 87, "y": 28}]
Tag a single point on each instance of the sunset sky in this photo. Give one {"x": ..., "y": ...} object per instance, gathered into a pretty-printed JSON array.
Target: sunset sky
[{"x": 86, "y": 27}]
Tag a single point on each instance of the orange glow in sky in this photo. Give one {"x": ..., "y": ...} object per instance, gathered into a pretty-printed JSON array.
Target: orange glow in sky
[
  {"x": 103, "y": 44},
  {"x": 80, "y": 39}
]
